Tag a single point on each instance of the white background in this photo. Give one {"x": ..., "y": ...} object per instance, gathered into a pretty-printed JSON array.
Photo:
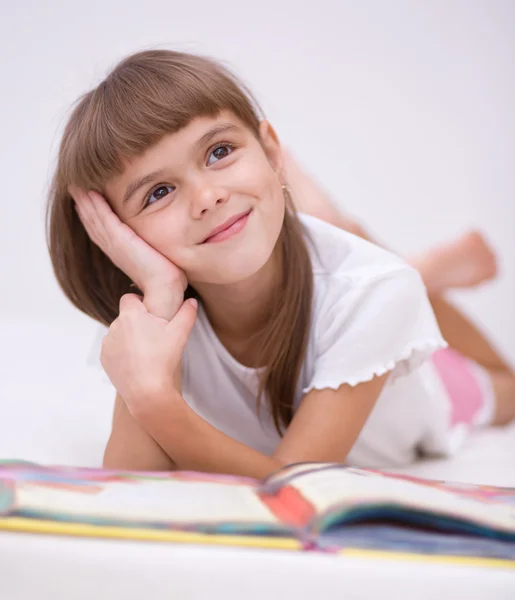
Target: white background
[{"x": 403, "y": 109}]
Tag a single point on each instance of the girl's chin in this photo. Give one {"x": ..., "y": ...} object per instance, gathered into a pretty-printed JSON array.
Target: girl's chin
[
  {"x": 230, "y": 272},
  {"x": 229, "y": 263}
]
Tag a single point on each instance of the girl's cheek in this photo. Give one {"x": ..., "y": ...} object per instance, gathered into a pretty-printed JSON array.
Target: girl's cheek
[
  {"x": 160, "y": 227},
  {"x": 163, "y": 239},
  {"x": 253, "y": 174}
]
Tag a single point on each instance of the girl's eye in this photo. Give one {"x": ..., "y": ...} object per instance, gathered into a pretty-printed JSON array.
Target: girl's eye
[
  {"x": 220, "y": 152},
  {"x": 158, "y": 193}
]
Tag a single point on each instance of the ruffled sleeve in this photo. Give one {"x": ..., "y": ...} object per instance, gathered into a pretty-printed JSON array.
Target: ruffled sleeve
[{"x": 385, "y": 324}]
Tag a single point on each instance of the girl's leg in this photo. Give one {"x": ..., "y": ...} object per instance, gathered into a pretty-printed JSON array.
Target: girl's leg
[
  {"x": 464, "y": 262},
  {"x": 462, "y": 335},
  {"x": 459, "y": 264},
  {"x": 504, "y": 389}
]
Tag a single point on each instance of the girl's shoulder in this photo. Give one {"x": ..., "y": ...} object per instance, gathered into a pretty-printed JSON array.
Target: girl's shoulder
[{"x": 340, "y": 256}]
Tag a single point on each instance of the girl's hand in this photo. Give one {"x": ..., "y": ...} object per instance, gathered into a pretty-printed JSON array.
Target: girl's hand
[
  {"x": 162, "y": 283},
  {"x": 141, "y": 352}
]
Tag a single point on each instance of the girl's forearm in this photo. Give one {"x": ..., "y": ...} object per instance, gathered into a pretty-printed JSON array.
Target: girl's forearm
[
  {"x": 195, "y": 445},
  {"x": 131, "y": 447}
]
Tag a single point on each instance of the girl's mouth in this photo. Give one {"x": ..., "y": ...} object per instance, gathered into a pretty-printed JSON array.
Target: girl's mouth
[{"x": 231, "y": 227}]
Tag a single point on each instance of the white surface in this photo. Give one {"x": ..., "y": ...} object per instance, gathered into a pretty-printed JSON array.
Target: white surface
[
  {"x": 72, "y": 569},
  {"x": 55, "y": 409},
  {"x": 487, "y": 457}
]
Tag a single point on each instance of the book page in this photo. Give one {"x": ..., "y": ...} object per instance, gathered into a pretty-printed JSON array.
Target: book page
[
  {"x": 145, "y": 501},
  {"x": 335, "y": 489}
]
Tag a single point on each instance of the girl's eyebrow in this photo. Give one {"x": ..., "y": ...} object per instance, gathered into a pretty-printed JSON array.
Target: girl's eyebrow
[
  {"x": 135, "y": 185},
  {"x": 202, "y": 141},
  {"x": 214, "y": 131}
]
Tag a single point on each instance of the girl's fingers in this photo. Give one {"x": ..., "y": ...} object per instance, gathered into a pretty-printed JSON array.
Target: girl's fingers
[
  {"x": 164, "y": 301},
  {"x": 111, "y": 226},
  {"x": 106, "y": 217},
  {"x": 87, "y": 224},
  {"x": 94, "y": 210},
  {"x": 181, "y": 325},
  {"x": 142, "y": 263},
  {"x": 131, "y": 302},
  {"x": 97, "y": 218},
  {"x": 118, "y": 233},
  {"x": 86, "y": 214}
]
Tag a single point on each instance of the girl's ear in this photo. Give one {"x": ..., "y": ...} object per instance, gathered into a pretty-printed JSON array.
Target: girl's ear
[{"x": 272, "y": 147}]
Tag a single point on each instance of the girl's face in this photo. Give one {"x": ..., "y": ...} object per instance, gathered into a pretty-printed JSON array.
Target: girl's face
[{"x": 200, "y": 179}]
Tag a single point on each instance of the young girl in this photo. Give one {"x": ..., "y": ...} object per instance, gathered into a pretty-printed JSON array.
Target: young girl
[{"x": 297, "y": 341}]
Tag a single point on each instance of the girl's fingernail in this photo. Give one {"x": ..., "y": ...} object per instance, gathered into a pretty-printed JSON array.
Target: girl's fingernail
[{"x": 193, "y": 302}]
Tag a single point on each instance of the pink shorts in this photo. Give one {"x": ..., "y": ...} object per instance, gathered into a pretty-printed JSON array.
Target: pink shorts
[{"x": 468, "y": 386}]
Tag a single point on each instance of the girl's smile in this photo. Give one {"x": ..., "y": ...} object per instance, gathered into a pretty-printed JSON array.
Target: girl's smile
[{"x": 228, "y": 229}]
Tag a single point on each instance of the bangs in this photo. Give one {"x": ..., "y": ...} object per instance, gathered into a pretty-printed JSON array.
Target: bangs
[{"x": 145, "y": 97}]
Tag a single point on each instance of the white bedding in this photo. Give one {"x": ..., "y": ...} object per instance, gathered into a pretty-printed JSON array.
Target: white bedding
[{"x": 57, "y": 410}]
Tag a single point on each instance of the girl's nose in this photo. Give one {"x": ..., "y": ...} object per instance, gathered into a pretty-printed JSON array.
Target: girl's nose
[{"x": 205, "y": 198}]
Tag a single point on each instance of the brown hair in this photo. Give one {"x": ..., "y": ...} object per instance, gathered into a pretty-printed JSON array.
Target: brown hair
[{"x": 146, "y": 96}]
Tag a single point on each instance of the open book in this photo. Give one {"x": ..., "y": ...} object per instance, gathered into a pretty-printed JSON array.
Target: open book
[{"x": 315, "y": 506}]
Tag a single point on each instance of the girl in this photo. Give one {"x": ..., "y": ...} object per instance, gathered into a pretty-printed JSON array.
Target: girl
[{"x": 297, "y": 341}]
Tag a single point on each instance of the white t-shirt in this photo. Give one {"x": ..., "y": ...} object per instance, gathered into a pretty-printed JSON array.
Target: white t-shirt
[{"x": 370, "y": 315}]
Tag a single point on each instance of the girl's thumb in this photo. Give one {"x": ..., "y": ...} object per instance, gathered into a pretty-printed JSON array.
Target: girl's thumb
[
  {"x": 164, "y": 301},
  {"x": 131, "y": 302},
  {"x": 181, "y": 325}
]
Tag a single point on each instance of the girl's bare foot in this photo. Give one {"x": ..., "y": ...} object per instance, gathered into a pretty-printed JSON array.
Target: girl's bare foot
[{"x": 465, "y": 262}]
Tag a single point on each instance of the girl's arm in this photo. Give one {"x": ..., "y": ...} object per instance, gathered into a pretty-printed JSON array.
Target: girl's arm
[
  {"x": 324, "y": 428},
  {"x": 163, "y": 284},
  {"x": 131, "y": 447}
]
